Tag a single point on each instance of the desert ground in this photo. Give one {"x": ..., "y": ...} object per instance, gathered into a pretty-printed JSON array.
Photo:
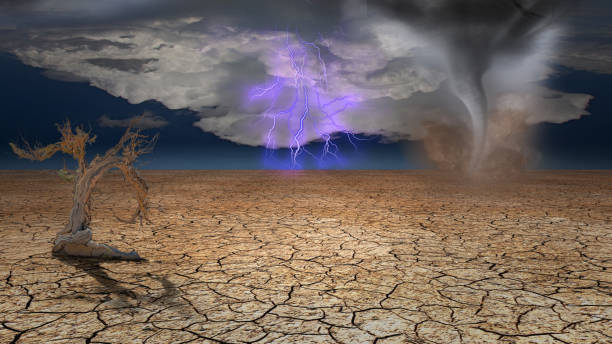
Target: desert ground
[{"x": 314, "y": 257}]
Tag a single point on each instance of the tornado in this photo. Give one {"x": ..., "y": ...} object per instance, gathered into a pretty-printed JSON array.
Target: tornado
[
  {"x": 467, "y": 84},
  {"x": 470, "y": 34}
]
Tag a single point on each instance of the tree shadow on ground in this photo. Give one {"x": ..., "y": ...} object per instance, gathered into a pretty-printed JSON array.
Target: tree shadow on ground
[{"x": 92, "y": 267}]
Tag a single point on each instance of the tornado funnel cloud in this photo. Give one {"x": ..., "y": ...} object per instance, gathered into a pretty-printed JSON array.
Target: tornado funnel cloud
[
  {"x": 470, "y": 91},
  {"x": 467, "y": 38}
]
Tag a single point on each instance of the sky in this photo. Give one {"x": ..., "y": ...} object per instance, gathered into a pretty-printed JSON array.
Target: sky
[{"x": 351, "y": 84}]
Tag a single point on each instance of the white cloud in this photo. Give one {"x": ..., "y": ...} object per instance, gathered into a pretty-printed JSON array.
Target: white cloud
[
  {"x": 545, "y": 105},
  {"x": 393, "y": 75}
]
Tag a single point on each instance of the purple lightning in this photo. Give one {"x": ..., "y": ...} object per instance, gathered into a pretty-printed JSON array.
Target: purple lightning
[{"x": 302, "y": 98}]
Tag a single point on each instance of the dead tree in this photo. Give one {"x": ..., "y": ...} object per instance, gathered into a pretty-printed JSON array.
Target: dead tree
[{"x": 76, "y": 238}]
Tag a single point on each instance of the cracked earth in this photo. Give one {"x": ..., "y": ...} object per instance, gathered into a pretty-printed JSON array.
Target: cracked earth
[{"x": 314, "y": 257}]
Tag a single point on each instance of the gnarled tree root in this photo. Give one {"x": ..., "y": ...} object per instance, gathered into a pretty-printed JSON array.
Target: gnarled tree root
[{"x": 80, "y": 244}]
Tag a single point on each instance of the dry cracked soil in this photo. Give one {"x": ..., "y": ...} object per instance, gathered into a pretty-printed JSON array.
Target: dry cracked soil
[{"x": 314, "y": 257}]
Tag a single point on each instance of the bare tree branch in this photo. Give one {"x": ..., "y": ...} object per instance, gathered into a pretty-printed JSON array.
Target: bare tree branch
[{"x": 75, "y": 238}]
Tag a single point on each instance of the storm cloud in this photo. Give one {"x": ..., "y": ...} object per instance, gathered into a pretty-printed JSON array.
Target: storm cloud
[
  {"x": 399, "y": 60},
  {"x": 145, "y": 121}
]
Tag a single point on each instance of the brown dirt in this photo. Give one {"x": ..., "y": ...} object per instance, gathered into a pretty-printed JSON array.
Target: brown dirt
[{"x": 314, "y": 257}]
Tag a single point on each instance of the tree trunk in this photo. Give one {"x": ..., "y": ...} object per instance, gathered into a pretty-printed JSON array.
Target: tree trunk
[{"x": 76, "y": 238}]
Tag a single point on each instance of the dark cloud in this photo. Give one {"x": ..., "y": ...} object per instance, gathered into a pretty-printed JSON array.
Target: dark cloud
[
  {"x": 64, "y": 76},
  {"x": 406, "y": 62},
  {"x": 145, "y": 121},
  {"x": 82, "y": 43},
  {"x": 14, "y": 40},
  {"x": 472, "y": 34},
  {"x": 587, "y": 43},
  {"x": 309, "y": 17},
  {"x": 125, "y": 65},
  {"x": 17, "y": 4}
]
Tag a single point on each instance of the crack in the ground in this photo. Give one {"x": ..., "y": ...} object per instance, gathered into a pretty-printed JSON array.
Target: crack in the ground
[{"x": 252, "y": 257}]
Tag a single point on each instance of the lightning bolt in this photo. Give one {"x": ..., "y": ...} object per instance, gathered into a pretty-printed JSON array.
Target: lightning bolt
[{"x": 311, "y": 104}]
